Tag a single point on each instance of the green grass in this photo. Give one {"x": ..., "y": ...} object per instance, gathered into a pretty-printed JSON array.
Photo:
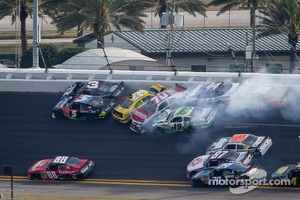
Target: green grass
[
  {"x": 48, "y": 34},
  {"x": 12, "y": 48}
]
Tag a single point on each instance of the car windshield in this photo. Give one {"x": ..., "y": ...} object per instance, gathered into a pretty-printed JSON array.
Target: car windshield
[
  {"x": 73, "y": 161},
  {"x": 250, "y": 139},
  {"x": 170, "y": 115},
  {"x": 126, "y": 103},
  {"x": 149, "y": 107}
]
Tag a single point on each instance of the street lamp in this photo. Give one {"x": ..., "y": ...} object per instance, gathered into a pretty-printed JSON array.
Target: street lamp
[{"x": 8, "y": 170}]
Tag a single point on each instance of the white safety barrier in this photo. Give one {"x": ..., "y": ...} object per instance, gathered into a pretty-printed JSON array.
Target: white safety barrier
[{"x": 56, "y": 80}]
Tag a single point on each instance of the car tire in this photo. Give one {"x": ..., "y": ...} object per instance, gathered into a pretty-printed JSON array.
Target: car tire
[
  {"x": 159, "y": 131},
  {"x": 35, "y": 177},
  {"x": 191, "y": 129},
  {"x": 59, "y": 114},
  {"x": 196, "y": 183},
  {"x": 67, "y": 177},
  {"x": 90, "y": 117}
]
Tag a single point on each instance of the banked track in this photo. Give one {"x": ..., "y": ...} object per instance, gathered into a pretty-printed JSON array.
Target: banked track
[{"x": 28, "y": 134}]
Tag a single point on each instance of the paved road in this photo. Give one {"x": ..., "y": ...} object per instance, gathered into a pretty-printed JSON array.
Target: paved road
[
  {"x": 28, "y": 134},
  {"x": 228, "y": 19}
]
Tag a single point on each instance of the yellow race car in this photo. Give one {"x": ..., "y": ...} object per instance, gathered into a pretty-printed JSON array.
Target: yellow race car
[{"x": 122, "y": 111}]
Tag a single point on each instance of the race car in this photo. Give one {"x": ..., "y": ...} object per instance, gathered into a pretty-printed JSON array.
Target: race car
[
  {"x": 122, "y": 111},
  {"x": 105, "y": 89},
  {"x": 216, "y": 159},
  {"x": 215, "y": 93},
  {"x": 184, "y": 119},
  {"x": 214, "y": 176},
  {"x": 261, "y": 98},
  {"x": 83, "y": 107},
  {"x": 288, "y": 172},
  {"x": 241, "y": 142},
  {"x": 142, "y": 118},
  {"x": 61, "y": 168}
]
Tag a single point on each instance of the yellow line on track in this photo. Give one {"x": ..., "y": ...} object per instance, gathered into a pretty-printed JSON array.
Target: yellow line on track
[{"x": 136, "y": 182}]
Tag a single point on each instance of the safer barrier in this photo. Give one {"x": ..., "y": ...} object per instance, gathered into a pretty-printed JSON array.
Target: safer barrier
[{"x": 56, "y": 80}]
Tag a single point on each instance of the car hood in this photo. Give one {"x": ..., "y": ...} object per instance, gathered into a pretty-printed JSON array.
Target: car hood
[
  {"x": 140, "y": 115},
  {"x": 39, "y": 166},
  {"x": 197, "y": 163}
]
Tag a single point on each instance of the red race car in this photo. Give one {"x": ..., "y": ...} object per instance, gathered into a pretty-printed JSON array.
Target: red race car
[
  {"x": 61, "y": 168},
  {"x": 143, "y": 117}
]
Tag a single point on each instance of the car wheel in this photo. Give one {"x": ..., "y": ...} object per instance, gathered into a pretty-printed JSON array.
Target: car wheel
[
  {"x": 196, "y": 183},
  {"x": 90, "y": 117},
  {"x": 35, "y": 177},
  {"x": 191, "y": 129},
  {"x": 59, "y": 114},
  {"x": 68, "y": 177},
  {"x": 159, "y": 130}
]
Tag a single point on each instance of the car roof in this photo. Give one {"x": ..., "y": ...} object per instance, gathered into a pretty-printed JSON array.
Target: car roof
[
  {"x": 183, "y": 111},
  {"x": 238, "y": 138},
  {"x": 162, "y": 96},
  {"x": 137, "y": 95}
]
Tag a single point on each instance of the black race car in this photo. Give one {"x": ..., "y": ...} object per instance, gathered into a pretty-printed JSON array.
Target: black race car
[
  {"x": 289, "y": 173},
  {"x": 83, "y": 107},
  {"x": 105, "y": 89},
  {"x": 217, "y": 176}
]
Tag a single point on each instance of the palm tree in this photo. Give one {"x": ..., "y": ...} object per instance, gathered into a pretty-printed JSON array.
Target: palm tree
[
  {"x": 252, "y": 4},
  {"x": 283, "y": 17},
  {"x": 190, "y": 6},
  {"x": 101, "y": 15},
  {"x": 23, "y": 9}
]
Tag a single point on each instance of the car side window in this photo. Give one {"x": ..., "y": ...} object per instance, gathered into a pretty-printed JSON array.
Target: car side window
[
  {"x": 230, "y": 146},
  {"x": 62, "y": 167},
  {"x": 240, "y": 146},
  {"x": 147, "y": 98},
  {"x": 75, "y": 106},
  {"x": 186, "y": 119},
  {"x": 177, "y": 119},
  {"x": 139, "y": 103},
  {"x": 162, "y": 106},
  {"x": 53, "y": 167}
]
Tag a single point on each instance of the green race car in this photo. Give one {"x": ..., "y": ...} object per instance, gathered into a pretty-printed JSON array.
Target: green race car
[{"x": 184, "y": 119}]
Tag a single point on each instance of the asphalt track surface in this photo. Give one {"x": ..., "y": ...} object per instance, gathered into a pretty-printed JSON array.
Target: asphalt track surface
[{"x": 28, "y": 133}]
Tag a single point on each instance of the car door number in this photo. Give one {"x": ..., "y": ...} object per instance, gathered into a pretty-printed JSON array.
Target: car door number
[
  {"x": 219, "y": 154},
  {"x": 74, "y": 113},
  {"x": 177, "y": 127},
  {"x": 52, "y": 175}
]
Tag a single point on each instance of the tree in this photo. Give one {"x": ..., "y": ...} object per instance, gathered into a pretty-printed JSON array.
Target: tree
[
  {"x": 190, "y": 6},
  {"x": 100, "y": 15},
  {"x": 283, "y": 17},
  {"x": 23, "y": 9},
  {"x": 253, "y": 5}
]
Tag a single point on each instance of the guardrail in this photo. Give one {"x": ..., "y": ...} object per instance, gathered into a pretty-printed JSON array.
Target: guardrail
[{"x": 37, "y": 79}]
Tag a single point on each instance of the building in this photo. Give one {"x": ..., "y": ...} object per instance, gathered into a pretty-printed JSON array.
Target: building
[{"x": 213, "y": 50}]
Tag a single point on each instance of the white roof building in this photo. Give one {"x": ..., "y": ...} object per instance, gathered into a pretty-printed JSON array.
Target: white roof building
[{"x": 121, "y": 59}]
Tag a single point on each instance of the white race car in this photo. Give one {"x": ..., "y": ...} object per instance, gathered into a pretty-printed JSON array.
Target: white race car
[
  {"x": 241, "y": 142},
  {"x": 219, "y": 157}
]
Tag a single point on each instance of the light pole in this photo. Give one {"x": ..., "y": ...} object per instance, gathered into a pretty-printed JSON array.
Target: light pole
[
  {"x": 170, "y": 62},
  {"x": 8, "y": 170},
  {"x": 35, "y": 51}
]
